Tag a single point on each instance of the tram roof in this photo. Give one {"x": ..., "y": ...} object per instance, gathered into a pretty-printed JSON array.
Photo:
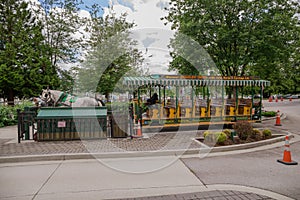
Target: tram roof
[{"x": 187, "y": 80}]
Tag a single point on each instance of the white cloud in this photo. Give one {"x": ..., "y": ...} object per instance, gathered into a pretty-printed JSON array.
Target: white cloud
[
  {"x": 151, "y": 33},
  {"x": 145, "y": 13},
  {"x": 84, "y": 14},
  {"x": 162, "y": 4}
]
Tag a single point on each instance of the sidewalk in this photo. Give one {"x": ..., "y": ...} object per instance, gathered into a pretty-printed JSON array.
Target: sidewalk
[{"x": 166, "y": 183}]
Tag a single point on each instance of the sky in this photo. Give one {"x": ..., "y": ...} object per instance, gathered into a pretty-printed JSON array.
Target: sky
[
  {"x": 152, "y": 35},
  {"x": 150, "y": 32}
]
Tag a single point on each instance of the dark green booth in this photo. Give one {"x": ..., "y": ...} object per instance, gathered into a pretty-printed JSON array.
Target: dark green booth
[{"x": 67, "y": 123}]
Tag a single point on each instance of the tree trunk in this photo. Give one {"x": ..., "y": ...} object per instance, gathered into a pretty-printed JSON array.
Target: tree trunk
[
  {"x": 107, "y": 96},
  {"x": 234, "y": 89},
  {"x": 10, "y": 98}
]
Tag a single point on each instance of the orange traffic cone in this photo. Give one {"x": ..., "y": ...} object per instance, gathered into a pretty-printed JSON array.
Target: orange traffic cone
[
  {"x": 287, "y": 157},
  {"x": 278, "y": 119},
  {"x": 270, "y": 99},
  {"x": 139, "y": 130}
]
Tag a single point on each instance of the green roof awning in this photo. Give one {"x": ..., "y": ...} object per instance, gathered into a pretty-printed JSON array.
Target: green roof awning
[
  {"x": 182, "y": 81},
  {"x": 69, "y": 112}
]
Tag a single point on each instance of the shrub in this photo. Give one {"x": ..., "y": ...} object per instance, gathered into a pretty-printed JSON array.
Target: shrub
[
  {"x": 206, "y": 133},
  {"x": 222, "y": 137},
  {"x": 269, "y": 113},
  {"x": 218, "y": 137},
  {"x": 267, "y": 133},
  {"x": 227, "y": 132},
  {"x": 256, "y": 134},
  {"x": 243, "y": 129},
  {"x": 8, "y": 114}
]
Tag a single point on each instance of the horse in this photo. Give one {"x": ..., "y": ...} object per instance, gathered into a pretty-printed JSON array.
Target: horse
[
  {"x": 59, "y": 98},
  {"x": 38, "y": 102}
]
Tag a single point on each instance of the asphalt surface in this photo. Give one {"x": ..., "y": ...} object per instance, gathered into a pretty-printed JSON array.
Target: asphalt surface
[{"x": 242, "y": 174}]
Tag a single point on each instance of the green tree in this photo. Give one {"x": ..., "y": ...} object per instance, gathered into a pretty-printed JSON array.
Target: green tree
[
  {"x": 24, "y": 68},
  {"x": 112, "y": 54},
  {"x": 64, "y": 34},
  {"x": 292, "y": 71},
  {"x": 243, "y": 37}
]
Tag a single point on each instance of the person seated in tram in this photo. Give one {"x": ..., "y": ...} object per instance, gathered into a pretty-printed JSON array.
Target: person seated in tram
[
  {"x": 153, "y": 99},
  {"x": 150, "y": 106}
]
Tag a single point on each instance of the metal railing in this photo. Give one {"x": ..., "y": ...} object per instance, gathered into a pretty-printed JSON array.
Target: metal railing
[{"x": 26, "y": 123}]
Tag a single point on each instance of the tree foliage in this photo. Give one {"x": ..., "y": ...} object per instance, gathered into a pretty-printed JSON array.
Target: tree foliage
[
  {"x": 24, "y": 66},
  {"x": 61, "y": 22},
  {"x": 112, "y": 54},
  {"x": 243, "y": 37},
  {"x": 37, "y": 42},
  {"x": 64, "y": 33}
]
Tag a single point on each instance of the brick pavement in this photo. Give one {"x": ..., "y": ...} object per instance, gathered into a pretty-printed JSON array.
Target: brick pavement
[
  {"x": 209, "y": 195},
  {"x": 155, "y": 142}
]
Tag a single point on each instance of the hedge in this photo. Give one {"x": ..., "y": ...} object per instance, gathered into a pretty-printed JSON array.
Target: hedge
[{"x": 8, "y": 114}]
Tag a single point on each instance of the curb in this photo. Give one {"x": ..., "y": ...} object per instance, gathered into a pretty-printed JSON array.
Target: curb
[
  {"x": 252, "y": 144},
  {"x": 282, "y": 117},
  {"x": 177, "y": 153}
]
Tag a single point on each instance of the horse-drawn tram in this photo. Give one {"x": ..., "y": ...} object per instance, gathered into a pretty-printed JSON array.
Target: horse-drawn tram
[{"x": 178, "y": 100}]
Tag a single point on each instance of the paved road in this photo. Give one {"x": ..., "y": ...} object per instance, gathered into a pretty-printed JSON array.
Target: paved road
[{"x": 292, "y": 110}]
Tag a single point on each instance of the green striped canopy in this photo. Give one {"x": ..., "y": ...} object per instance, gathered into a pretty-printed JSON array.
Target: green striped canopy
[{"x": 203, "y": 81}]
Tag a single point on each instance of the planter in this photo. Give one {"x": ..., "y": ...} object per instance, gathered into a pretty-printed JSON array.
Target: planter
[{"x": 275, "y": 138}]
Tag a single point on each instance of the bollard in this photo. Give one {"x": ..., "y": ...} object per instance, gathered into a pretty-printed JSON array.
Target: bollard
[
  {"x": 139, "y": 129},
  {"x": 278, "y": 119},
  {"x": 287, "y": 156},
  {"x": 270, "y": 99}
]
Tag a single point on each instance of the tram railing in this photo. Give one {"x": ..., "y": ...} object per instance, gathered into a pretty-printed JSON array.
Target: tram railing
[{"x": 200, "y": 111}]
